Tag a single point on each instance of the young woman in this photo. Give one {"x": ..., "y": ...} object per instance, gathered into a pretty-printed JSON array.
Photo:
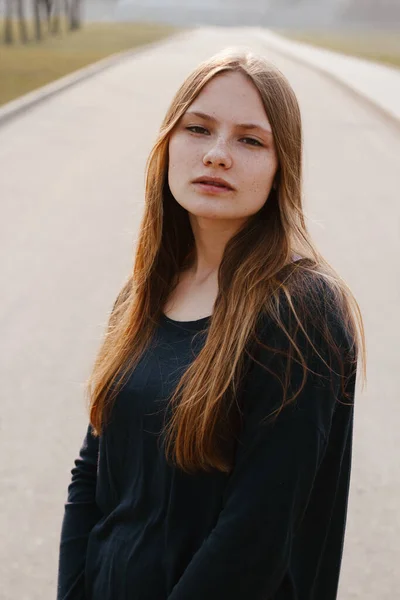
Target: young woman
[{"x": 217, "y": 459}]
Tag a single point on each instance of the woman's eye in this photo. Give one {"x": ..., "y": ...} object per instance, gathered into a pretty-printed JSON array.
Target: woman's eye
[
  {"x": 253, "y": 141},
  {"x": 196, "y": 127}
]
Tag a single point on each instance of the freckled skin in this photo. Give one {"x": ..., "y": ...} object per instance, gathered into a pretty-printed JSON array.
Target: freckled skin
[{"x": 219, "y": 149}]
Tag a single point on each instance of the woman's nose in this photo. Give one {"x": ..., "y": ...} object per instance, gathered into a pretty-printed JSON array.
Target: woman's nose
[{"x": 218, "y": 155}]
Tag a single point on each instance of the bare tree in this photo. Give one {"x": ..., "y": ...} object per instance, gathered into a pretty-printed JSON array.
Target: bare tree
[
  {"x": 49, "y": 9},
  {"x": 74, "y": 13},
  {"x": 55, "y": 28},
  {"x": 23, "y": 34},
  {"x": 8, "y": 26},
  {"x": 47, "y": 5},
  {"x": 39, "y": 7},
  {"x": 38, "y": 25}
]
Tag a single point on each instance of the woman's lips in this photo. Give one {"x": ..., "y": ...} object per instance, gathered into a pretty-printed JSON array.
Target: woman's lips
[{"x": 207, "y": 188}]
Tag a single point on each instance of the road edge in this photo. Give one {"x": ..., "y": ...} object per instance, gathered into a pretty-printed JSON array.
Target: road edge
[
  {"x": 22, "y": 104},
  {"x": 386, "y": 114}
]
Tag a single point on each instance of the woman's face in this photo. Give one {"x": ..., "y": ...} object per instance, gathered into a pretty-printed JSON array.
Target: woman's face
[{"x": 231, "y": 140}]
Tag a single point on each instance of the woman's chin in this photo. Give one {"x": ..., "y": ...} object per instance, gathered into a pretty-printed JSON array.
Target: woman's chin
[{"x": 210, "y": 211}]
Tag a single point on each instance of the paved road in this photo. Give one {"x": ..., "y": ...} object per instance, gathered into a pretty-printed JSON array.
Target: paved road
[{"x": 71, "y": 180}]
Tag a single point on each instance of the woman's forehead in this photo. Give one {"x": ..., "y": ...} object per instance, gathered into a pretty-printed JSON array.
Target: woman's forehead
[{"x": 231, "y": 97}]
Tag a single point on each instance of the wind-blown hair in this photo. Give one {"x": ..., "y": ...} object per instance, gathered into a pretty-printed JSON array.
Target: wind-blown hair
[{"x": 257, "y": 278}]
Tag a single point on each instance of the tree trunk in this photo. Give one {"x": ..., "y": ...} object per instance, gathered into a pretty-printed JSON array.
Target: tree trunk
[
  {"x": 8, "y": 30},
  {"x": 38, "y": 27},
  {"x": 74, "y": 22},
  {"x": 23, "y": 34},
  {"x": 56, "y": 17},
  {"x": 48, "y": 5},
  {"x": 67, "y": 11}
]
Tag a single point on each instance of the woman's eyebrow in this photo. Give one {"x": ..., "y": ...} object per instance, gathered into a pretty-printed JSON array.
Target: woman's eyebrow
[{"x": 239, "y": 125}]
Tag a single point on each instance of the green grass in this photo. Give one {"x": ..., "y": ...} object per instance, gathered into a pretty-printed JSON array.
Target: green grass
[
  {"x": 378, "y": 46},
  {"x": 24, "y": 68}
]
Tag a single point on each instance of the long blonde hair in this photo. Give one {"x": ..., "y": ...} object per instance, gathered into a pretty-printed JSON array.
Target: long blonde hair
[{"x": 255, "y": 274}]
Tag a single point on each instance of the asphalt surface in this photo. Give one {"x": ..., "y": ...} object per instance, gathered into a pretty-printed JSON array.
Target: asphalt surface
[{"x": 72, "y": 185}]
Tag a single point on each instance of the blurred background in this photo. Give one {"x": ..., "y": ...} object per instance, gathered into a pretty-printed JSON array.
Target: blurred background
[
  {"x": 45, "y": 39},
  {"x": 84, "y": 86}
]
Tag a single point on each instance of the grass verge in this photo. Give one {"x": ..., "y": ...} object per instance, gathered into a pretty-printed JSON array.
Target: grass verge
[
  {"x": 378, "y": 46},
  {"x": 24, "y": 68}
]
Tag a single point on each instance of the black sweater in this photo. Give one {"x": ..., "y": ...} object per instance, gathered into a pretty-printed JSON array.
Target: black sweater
[{"x": 136, "y": 528}]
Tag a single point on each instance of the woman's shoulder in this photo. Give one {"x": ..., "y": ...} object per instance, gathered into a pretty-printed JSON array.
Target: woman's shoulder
[
  {"x": 311, "y": 288},
  {"x": 309, "y": 304},
  {"x": 310, "y": 336}
]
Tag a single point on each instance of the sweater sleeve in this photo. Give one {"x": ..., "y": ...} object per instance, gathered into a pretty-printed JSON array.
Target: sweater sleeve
[
  {"x": 80, "y": 515},
  {"x": 247, "y": 554},
  {"x": 81, "y": 511}
]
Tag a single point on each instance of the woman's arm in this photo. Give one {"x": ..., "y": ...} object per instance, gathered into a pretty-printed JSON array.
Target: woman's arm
[
  {"x": 80, "y": 515},
  {"x": 247, "y": 554},
  {"x": 81, "y": 511}
]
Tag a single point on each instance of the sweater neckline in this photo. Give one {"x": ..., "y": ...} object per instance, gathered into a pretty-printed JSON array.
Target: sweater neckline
[{"x": 195, "y": 325}]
